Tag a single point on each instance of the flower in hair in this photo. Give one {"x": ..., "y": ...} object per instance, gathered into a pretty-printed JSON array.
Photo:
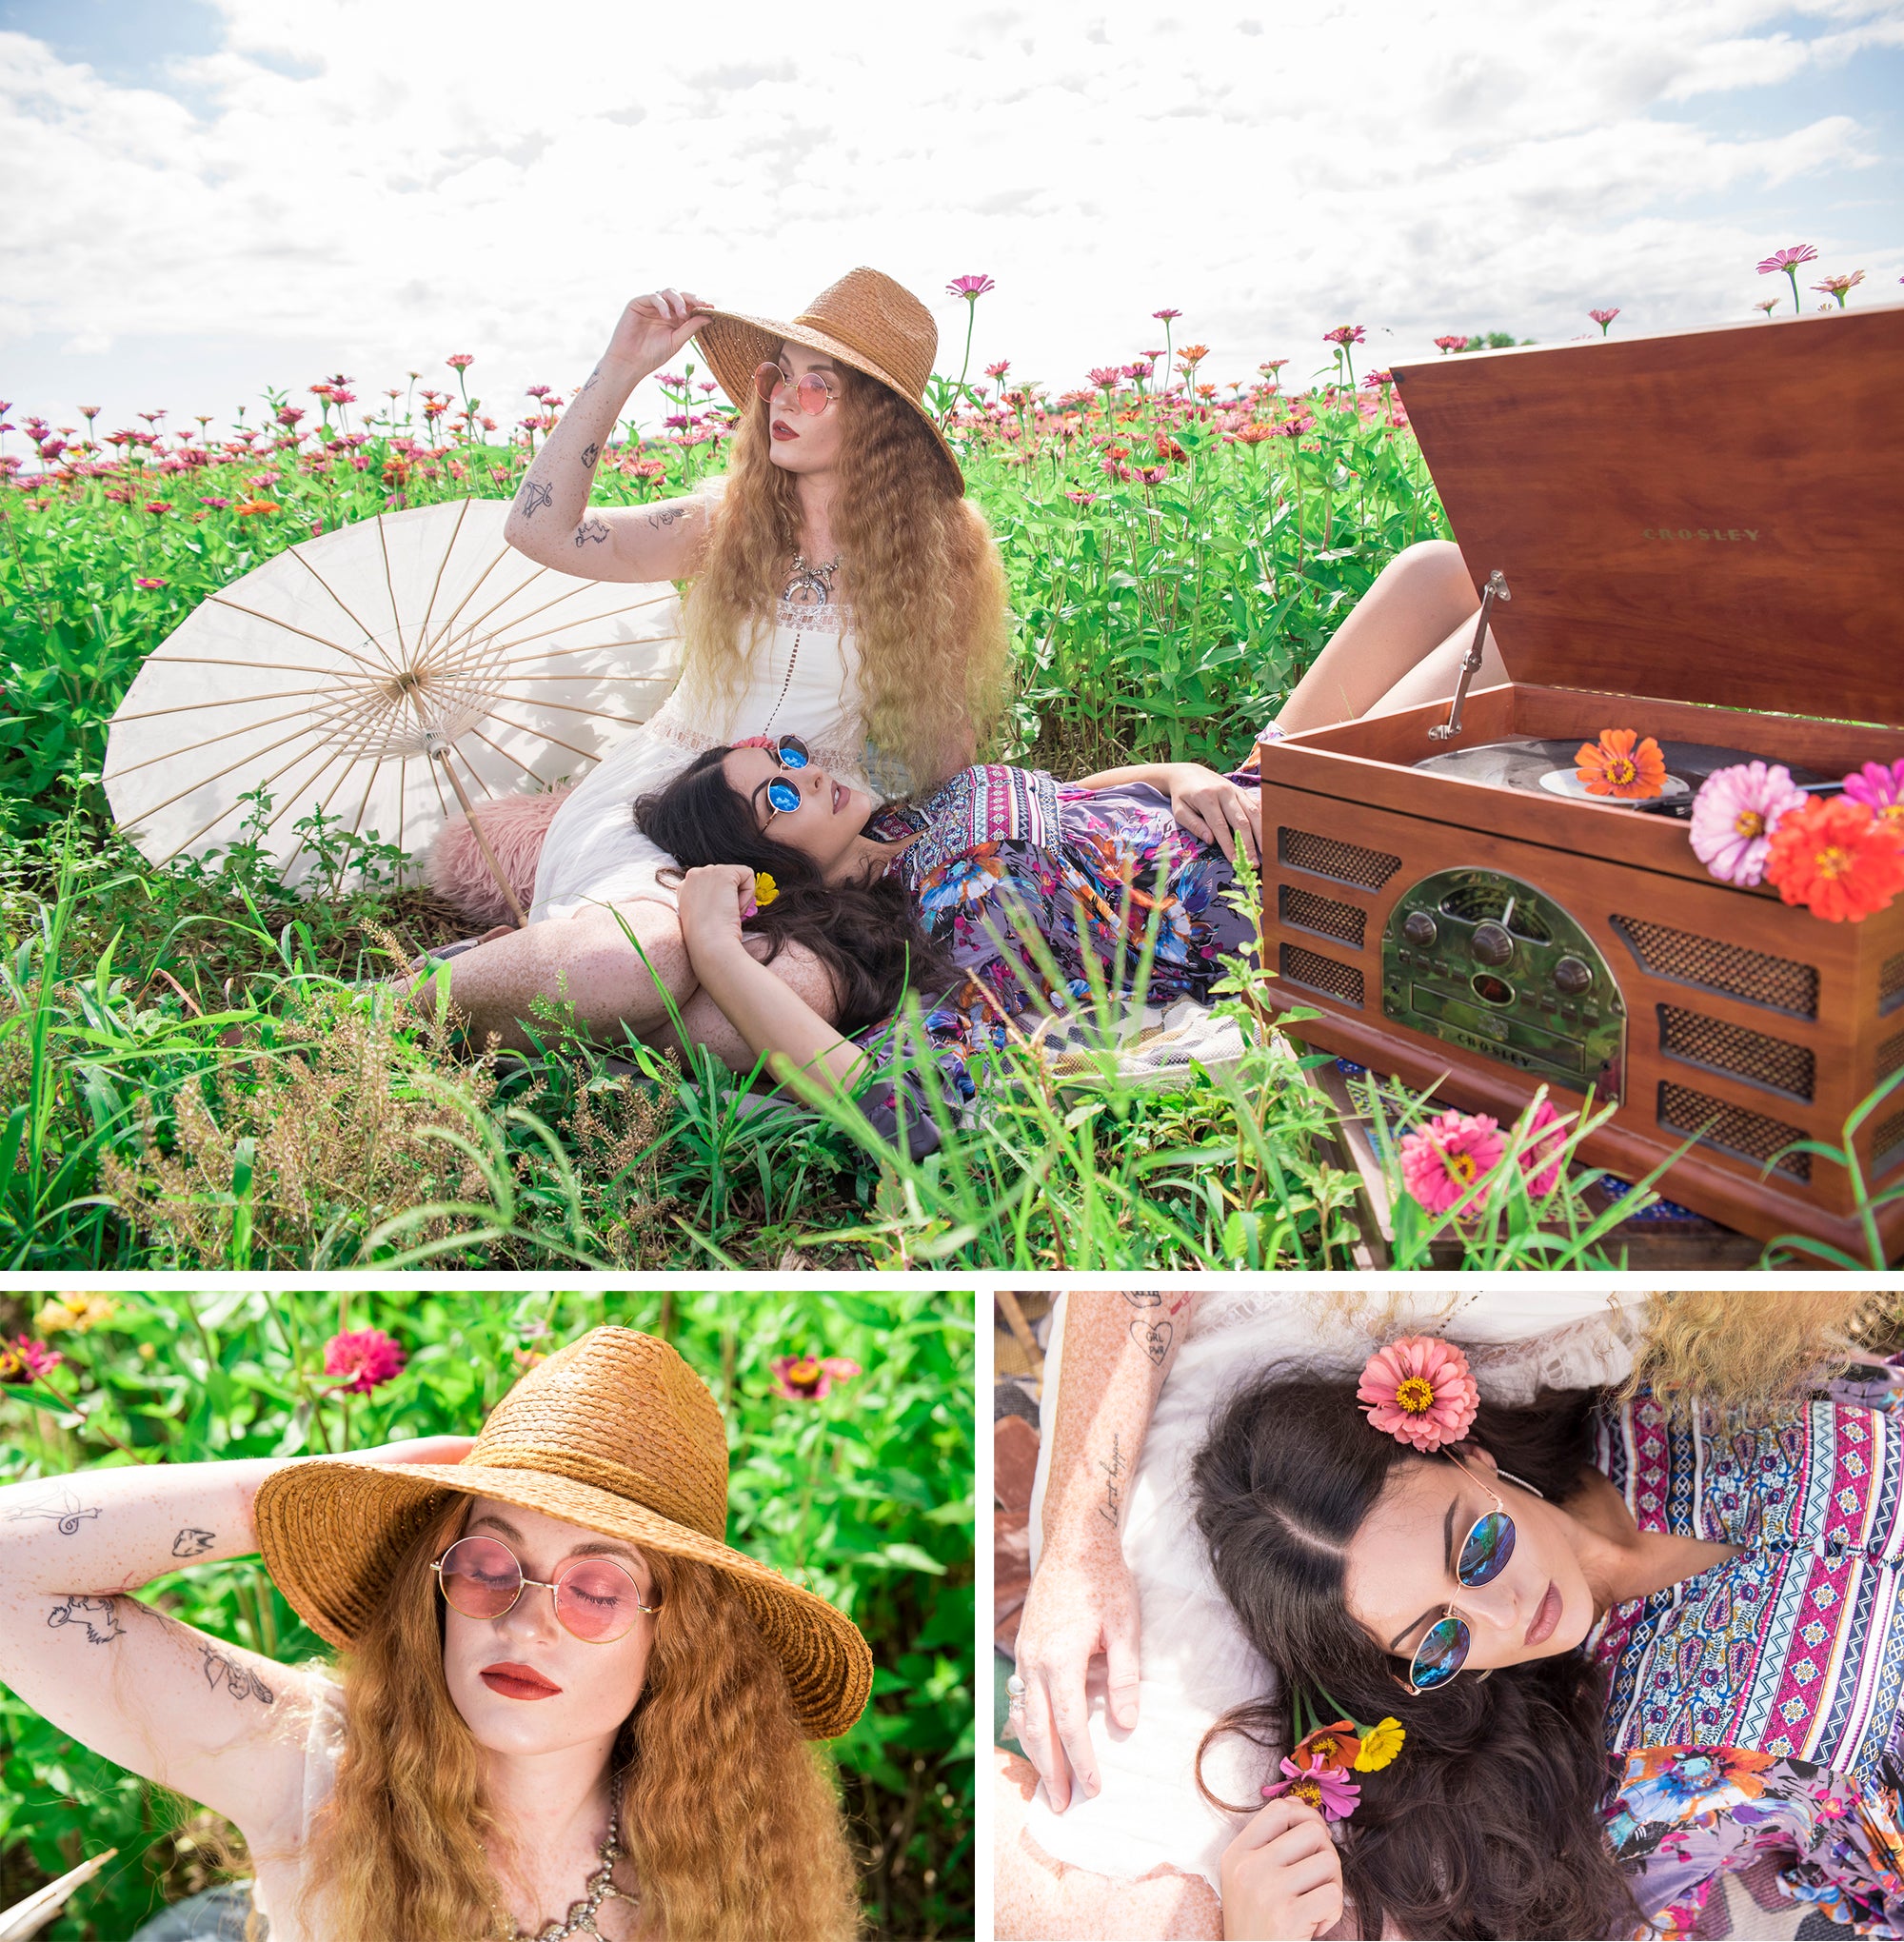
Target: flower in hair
[
  {"x": 1337, "y": 1746},
  {"x": 1332, "y": 1795},
  {"x": 766, "y": 890},
  {"x": 1380, "y": 1744},
  {"x": 1420, "y": 1392}
]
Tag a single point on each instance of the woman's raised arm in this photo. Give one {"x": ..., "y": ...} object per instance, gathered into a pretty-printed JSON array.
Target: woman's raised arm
[
  {"x": 552, "y": 521},
  {"x": 191, "y": 1712}
]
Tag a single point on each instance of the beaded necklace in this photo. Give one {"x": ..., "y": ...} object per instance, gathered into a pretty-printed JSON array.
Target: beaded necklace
[
  {"x": 598, "y": 1888},
  {"x": 809, "y": 585}
]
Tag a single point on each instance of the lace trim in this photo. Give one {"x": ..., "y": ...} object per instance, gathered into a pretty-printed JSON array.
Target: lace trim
[{"x": 829, "y": 619}]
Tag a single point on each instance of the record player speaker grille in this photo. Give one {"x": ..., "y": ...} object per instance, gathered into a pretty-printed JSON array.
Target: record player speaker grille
[
  {"x": 1347, "y": 863},
  {"x": 1781, "y": 983},
  {"x": 1725, "y": 1048},
  {"x": 1890, "y": 984},
  {"x": 1319, "y": 973},
  {"x": 1887, "y": 1144},
  {"x": 1890, "y": 1055},
  {"x": 1328, "y": 916},
  {"x": 1750, "y": 1135}
]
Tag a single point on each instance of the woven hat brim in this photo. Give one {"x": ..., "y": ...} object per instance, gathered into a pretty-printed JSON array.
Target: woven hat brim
[
  {"x": 328, "y": 1532},
  {"x": 736, "y": 347}
]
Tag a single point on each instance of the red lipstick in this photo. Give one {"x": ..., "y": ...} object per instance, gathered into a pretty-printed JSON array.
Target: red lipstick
[
  {"x": 1546, "y": 1616},
  {"x": 515, "y": 1682},
  {"x": 781, "y": 429}
]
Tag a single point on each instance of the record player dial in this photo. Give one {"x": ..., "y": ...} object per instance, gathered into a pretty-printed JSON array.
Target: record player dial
[
  {"x": 1492, "y": 944},
  {"x": 1573, "y": 977}
]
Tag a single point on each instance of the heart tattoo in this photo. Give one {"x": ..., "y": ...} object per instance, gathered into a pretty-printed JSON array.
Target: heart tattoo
[{"x": 1153, "y": 1338}]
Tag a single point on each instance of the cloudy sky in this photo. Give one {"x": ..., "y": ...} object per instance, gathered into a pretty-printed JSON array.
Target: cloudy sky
[{"x": 205, "y": 197}]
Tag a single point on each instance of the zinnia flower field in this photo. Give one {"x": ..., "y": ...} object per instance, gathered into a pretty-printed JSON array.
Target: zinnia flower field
[
  {"x": 199, "y": 1069},
  {"x": 855, "y": 1481}
]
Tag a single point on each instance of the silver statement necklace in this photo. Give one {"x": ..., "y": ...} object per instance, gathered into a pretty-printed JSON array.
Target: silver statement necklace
[
  {"x": 808, "y": 586},
  {"x": 598, "y": 1888}
]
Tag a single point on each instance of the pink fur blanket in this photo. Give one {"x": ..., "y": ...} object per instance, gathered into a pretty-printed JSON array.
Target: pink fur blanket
[{"x": 514, "y": 827}]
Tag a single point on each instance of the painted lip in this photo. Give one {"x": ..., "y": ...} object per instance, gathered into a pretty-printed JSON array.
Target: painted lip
[
  {"x": 838, "y": 798},
  {"x": 1546, "y": 1615},
  {"x": 515, "y": 1682},
  {"x": 783, "y": 430}
]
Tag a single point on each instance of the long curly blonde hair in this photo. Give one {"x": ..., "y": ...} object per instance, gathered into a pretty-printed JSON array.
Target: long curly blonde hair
[
  {"x": 925, "y": 583},
  {"x": 727, "y": 1815}
]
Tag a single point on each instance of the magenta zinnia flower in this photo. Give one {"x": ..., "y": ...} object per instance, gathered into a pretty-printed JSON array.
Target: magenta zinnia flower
[
  {"x": 1420, "y": 1392},
  {"x": 806, "y": 1378},
  {"x": 1545, "y": 1153},
  {"x": 1784, "y": 259},
  {"x": 367, "y": 1356},
  {"x": 1734, "y": 816},
  {"x": 1166, "y": 316},
  {"x": 1332, "y": 1795},
  {"x": 1344, "y": 333},
  {"x": 970, "y": 288},
  {"x": 1603, "y": 318},
  {"x": 23, "y": 1359},
  {"x": 1442, "y": 1160},
  {"x": 1881, "y": 791}
]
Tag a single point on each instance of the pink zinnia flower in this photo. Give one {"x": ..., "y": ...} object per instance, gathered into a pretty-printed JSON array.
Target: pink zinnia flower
[
  {"x": 1784, "y": 259},
  {"x": 970, "y": 288},
  {"x": 23, "y": 1359},
  {"x": 1344, "y": 333},
  {"x": 1734, "y": 816},
  {"x": 999, "y": 370},
  {"x": 150, "y": 585},
  {"x": 1442, "y": 1160},
  {"x": 1881, "y": 791},
  {"x": 1082, "y": 498},
  {"x": 1420, "y": 1392},
  {"x": 1332, "y": 1795},
  {"x": 1164, "y": 317},
  {"x": 461, "y": 360},
  {"x": 806, "y": 1378},
  {"x": 1545, "y": 1153},
  {"x": 368, "y": 1355},
  {"x": 1444, "y": 344},
  {"x": 1603, "y": 318}
]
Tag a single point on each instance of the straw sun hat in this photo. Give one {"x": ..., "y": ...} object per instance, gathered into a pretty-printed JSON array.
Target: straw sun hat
[
  {"x": 614, "y": 1433},
  {"x": 865, "y": 320}
]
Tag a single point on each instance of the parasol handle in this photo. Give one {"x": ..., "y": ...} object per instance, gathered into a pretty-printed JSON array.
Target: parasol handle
[{"x": 481, "y": 840}]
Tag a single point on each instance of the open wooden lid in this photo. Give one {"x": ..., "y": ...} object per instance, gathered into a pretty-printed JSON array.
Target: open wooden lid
[{"x": 1710, "y": 516}]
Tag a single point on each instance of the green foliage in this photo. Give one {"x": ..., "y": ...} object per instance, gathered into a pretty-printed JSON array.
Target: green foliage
[{"x": 866, "y": 1496}]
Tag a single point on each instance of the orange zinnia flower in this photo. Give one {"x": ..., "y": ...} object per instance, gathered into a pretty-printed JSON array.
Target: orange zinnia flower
[
  {"x": 1335, "y": 1747},
  {"x": 1613, "y": 767},
  {"x": 1835, "y": 857}
]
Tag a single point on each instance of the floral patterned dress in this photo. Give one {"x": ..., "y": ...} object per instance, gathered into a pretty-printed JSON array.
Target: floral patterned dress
[
  {"x": 1757, "y": 1705},
  {"x": 1018, "y": 877}
]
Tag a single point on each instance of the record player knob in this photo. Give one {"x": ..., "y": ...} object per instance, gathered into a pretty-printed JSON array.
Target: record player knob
[
  {"x": 1492, "y": 943},
  {"x": 1418, "y": 928},
  {"x": 1573, "y": 977}
]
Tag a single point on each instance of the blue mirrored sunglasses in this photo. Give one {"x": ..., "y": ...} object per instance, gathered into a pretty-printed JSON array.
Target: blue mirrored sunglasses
[
  {"x": 1484, "y": 1556},
  {"x": 790, "y": 753}
]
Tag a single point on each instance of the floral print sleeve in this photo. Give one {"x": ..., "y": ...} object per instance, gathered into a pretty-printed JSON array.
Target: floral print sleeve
[{"x": 1681, "y": 1816}]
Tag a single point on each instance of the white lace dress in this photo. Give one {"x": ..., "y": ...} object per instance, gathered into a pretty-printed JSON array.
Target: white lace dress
[{"x": 803, "y": 679}]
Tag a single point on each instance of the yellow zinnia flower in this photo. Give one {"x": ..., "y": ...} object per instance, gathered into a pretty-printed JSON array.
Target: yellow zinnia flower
[
  {"x": 1379, "y": 1746},
  {"x": 766, "y": 890}
]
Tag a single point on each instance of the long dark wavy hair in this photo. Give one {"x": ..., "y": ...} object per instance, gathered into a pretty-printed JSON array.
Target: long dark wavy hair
[
  {"x": 869, "y": 936},
  {"x": 1488, "y": 1822}
]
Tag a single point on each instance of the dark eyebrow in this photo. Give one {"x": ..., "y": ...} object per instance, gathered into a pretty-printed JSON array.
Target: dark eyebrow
[{"x": 1448, "y": 1539}]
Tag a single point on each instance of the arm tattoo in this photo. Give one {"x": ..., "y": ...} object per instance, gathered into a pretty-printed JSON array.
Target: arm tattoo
[
  {"x": 192, "y": 1543},
  {"x": 594, "y": 378},
  {"x": 666, "y": 515},
  {"x": 240, "y": 1681},
  {"x": 100, "y": 1618},
  {"x": 533, "y": 497},
  {"x": 590, "y": 453},
  {"x": 1144, "y": 1301},
  {"x": 1114, "y": 1468},
  {"x": 1153, "y": 1338},
  {"x": 65, "y": 1511},
  {"x": 591, "y": 528}
]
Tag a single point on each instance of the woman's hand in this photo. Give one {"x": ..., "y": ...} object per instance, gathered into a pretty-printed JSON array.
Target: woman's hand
[
  {"x": 1213, "y": 808},
  {"x": 1281, "y": 1876},
  {"x": 713, "y": 903},
  {"x": 1079, "y": 1604},
  {"x": 651, "y": 328}
]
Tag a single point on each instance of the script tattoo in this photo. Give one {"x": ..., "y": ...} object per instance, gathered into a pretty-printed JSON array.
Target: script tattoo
[
  {"x": 239, "y": 1681},
  {"x": 1144, "y": 1301},
  {"x": 1153, "y": 1338},
  {"x": 591, "y": 528},
  {"x": 665, "y": 516},
  {"x": 100, "y": 1618},
  {"x": 533, "y": 497},
  {"x": 1113, "y": 1468},
  {"x": 65, "y": 1511},
  {"x": 590, "y": 453},
  {"x": 191, "y": 1542}
]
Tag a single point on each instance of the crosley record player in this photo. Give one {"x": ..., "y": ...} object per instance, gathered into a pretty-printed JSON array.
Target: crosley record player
[{"x": 1698, "y": 537}]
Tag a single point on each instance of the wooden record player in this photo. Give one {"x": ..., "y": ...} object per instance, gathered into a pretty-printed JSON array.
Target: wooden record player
[{"x": 1700, "y": 538}]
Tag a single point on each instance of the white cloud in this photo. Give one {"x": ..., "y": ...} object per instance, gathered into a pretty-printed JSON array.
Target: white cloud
[{"x": 376, "y": 185}]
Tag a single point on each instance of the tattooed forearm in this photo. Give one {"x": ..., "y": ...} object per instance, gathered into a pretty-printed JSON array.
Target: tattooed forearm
[
  {"x": 100, "y": 1616},
  {"x": 533, "y": 497},
  {"x": 591, "y": 528},
  {"x": 665, "y": 516},
  {"x": 594, "y": 378},
  {"x": 63, "y": 1508},
  {"x": 240, "y": 1681},
  {"x": 191, "y": 1542},
  {"x": 1113, "y": 1468},
  {"x": 590, "y": 453}
]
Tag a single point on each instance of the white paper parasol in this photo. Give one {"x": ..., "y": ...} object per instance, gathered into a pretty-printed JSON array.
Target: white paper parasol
[{"x": 383, "y": 671}]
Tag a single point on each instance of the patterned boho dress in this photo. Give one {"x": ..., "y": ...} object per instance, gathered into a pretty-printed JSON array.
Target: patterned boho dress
[
  {"x": 1011, "y": 866},
  {"x": 1757, "y": 1703}
]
